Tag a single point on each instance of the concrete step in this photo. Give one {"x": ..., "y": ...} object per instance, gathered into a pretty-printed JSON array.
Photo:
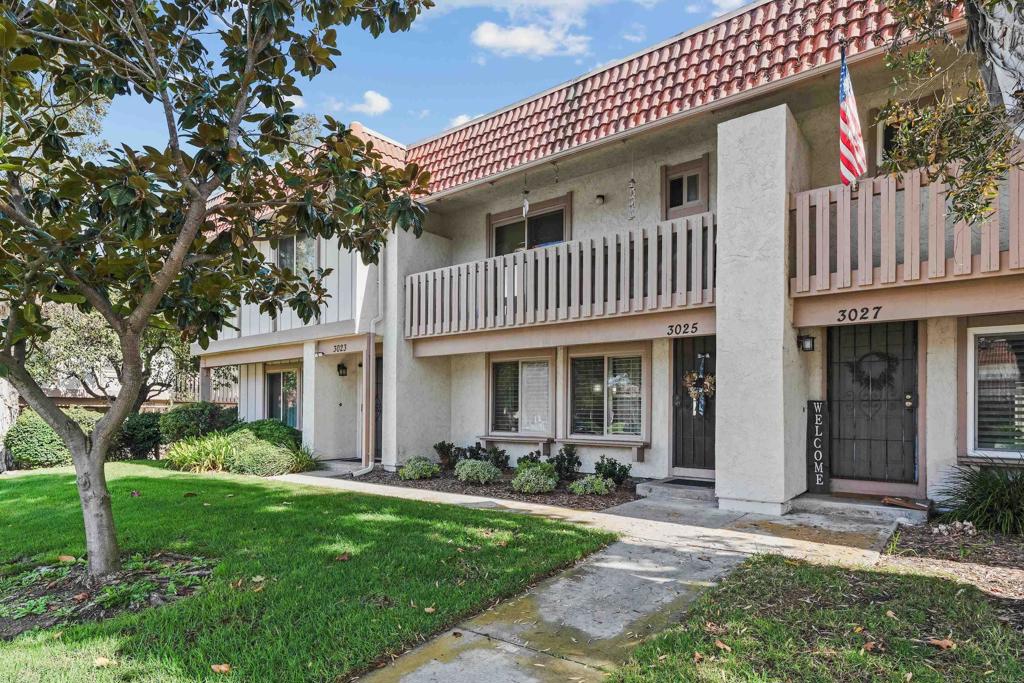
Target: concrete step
[
  {"x": 663, "y": 489},
  {"x": 864, "y": 508}
]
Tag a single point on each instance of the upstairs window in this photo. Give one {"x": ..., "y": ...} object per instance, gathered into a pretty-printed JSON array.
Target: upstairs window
[
  {"x": 684, "y": 188},
  {"x": 297, "y": 253},
  {"x": 546, "y": 223},
  {"x": 521, "y": 397}
]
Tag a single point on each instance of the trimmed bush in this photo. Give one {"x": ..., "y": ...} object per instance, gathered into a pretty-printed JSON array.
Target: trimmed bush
[
  {"x": 567, "y": 462},
  {"x": 262, "y": 459},
  {"x": 419, "y": 468},
  {"x": 446, "y": 454},
  {"x": 610, "y": 468},
  {"x": 477, "y": 472},
  {"x": 274, "y": 431},
  {"x": 546, "y": 467},
  {"x": 535, "y": 479},
  {"x": 194, "y": 419},
  {"x": 592, "y": 485},
  {"x": 492, "y": 454},
  {"x": 990, "y": 497},
  {"x": 532, "y": 456},
  {"x": 33, "y": 444},
  {"x": 139, "y": 437}
]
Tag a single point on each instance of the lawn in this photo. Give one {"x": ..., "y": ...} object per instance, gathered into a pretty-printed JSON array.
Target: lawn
[
  {"x": 781, "y": 620},
  {"x": 344, "y": 580}
]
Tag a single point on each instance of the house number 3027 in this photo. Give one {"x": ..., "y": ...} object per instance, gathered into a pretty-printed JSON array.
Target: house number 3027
[
  {"x": 682, "y": 328},
  {"x": 854, "y": 314}
]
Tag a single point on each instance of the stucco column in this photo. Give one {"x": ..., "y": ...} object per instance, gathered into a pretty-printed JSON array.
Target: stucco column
[
  {"x": 308, "y": 388},
  {"x": 942, "y": 419},
  {"x": 205, "y": 384},
  {"x": 762, "y": 382}
]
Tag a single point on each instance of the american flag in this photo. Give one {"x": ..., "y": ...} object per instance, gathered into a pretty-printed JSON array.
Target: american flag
[{"x": 852, "y": 159}]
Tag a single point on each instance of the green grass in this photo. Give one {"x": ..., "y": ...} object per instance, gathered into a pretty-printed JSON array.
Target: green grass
[
  {"x": 316, "y": 619},
  {"x": 784, "y": 620}
]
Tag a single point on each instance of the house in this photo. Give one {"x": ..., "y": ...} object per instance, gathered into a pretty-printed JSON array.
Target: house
[{"x": 657, "y": 262}]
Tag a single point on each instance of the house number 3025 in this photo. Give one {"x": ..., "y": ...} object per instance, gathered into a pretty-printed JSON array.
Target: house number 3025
[
  {"x": 682, "y": 328},
  {"x": 855, "y": 314}
]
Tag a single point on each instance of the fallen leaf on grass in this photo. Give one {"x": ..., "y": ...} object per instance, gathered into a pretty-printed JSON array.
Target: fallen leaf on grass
[
  {"x": 65, "y": 558},
  {"x": 942, "y": 644},
  {"x": 889, "y": 613},
  {"x": 80, "y": 597},
  {"x": 697, "y": 657},
  {"x": 135, "y": 494},
  {"x": 869, "y": 646},
  {"x": 102, "y": 662},
  {"x": 344, "y": 557},
  {"x": 221, "y": 668},
  {"x": 429, "y": 610},
  {"x": 713, "y": 628},
  {"x": 189, "y": 494},
  {"x": 237, "y": 584},
  {"x": 722, "y": 646}
]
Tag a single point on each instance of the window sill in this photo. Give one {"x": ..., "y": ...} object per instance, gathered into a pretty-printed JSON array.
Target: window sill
[
  {"x": 991, "y": 459},
  {"x": 638, "y": 446},
  {"x": 542, "y": 441}
]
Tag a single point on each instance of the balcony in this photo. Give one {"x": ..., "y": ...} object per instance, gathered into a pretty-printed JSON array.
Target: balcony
[
  {"x": 667, "y": 267},
  {"x": 896, "y": 231}
]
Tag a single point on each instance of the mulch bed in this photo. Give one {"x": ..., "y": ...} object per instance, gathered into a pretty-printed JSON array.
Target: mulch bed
[
  {"x": 993, "y": 562},
  {"x": 560, "y": 497},
  {"x": 48, "y": 595}
]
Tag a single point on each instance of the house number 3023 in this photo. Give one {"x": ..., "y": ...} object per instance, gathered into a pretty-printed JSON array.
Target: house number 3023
[
  {"x": 681, "y": 328},
  {"x": 340, "y": 348},
  {"x": 849, "y": 315}
]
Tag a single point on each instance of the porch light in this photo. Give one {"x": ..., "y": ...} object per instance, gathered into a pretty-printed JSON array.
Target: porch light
[
  {"x": 805, "y": 342},
  {"x": 342, "y": 370}
]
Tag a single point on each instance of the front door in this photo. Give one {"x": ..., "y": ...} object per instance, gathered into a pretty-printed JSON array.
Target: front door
[
  {"x": 872, "y": 395},
  {"x": 693, "y": 425},
  {"x": 378, "y": 410}
]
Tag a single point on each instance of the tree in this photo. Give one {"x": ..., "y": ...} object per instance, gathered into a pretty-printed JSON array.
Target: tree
[
  {"x": 970, "y": 135},
  {"x": 170, "y": 232},
  {"x": 84, "y": 351}
]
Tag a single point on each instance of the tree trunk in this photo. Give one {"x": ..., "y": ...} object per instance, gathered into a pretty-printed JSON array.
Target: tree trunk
[
  {"x": 8, "y": 414},
  {"x": 100, "y": 537}
]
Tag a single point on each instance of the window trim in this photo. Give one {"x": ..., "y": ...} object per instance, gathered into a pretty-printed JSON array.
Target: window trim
[
  {"x": 670, "y": 173},
  {"x": 496, "y": 220},
  {"x": 972, "y": 406},
  {"x": 276, "y": 370},
  {"x": 606, "y": 352},
  {"x": 317, "y": 252},
  {"x": 547, "y": 355}
]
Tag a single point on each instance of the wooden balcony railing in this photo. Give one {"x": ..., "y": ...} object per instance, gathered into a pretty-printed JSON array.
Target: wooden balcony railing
[
  {"x": 669, "y": 266},
  {"x": 896, "y": 230}
]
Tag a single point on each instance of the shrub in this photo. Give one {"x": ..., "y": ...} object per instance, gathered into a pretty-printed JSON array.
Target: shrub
[
  {"x": 546, "y": 467},
  {"x": 535, "y": 479},
  {"x": 139, "y": 437},
  {"x": 592, "y": 485},
  {"x": 609, "y": 468},
  {"x": 261, "y": 458},
  {"x": 990, "y": 497},
  {"x": 492, "y": 454},
  {"x": 567, "y": 462},
  {"x": 304, "y": 460},
  {"x": 477, "y": 472},
  {"x": 419, "y": 468},
  {"x": 532, "y": 456},
  {"x": 274, "y": 431},
  {"x": 445, "y": 454},
  {"x": 474, "y": 452},
  {"x": 194, "y": 419},
  {"x": 201, "y": 453},
  {"x": 241, "y": 452},
  {"x": 32, "y": 443}
]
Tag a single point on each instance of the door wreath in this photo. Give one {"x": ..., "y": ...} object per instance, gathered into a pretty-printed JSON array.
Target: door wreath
[{"x": 700, "y": 386}]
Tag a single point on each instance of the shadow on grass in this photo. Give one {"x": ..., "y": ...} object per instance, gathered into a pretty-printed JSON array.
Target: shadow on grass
[{"x": 309, "y": 584}]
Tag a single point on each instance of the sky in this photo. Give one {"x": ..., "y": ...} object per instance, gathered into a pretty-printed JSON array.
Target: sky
[{"x": 463, "y": 59}]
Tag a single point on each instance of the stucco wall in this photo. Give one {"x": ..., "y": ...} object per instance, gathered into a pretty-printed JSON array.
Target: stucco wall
[{"x": 941, "y": 417}]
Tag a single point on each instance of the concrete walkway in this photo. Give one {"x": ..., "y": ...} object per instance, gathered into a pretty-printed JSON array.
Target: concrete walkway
[{"x": 583, "y": 623}]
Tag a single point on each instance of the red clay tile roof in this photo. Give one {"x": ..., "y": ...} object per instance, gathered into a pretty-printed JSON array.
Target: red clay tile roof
[
  {"x": 773, "y": 40},
  {"x": 393, "y": 153}
]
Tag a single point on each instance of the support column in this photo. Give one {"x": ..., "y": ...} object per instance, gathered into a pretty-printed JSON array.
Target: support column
[
  {"x": 307, "y": 407},
  {"x": 369, "y": 392},
  {"x": 205, "y": 384},
  {"x": 762, "y": 379}
]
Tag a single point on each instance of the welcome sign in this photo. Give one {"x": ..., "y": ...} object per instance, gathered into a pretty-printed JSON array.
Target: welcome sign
[{"x": 817, "y": 447}]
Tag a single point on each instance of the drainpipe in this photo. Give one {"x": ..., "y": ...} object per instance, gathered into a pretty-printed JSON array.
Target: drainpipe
[{"x": 369, "y": 375}]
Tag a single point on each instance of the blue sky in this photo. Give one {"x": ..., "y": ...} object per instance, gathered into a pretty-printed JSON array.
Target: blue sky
[{"x": 463, "y": 59}]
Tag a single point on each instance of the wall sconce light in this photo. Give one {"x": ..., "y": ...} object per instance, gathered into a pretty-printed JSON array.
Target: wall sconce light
[
  {"x": 342, "y": 370},
  {"x": 599, "y": 200},
  {"x": 805, "y": 342},
  {"x": 320, "y": 354}
]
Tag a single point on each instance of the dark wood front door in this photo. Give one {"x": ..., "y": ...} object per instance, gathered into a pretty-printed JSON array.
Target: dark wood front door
[
  {"x": 378, "y": 409},
  {"x": 872, "y": 395},
  {"x": 693, "y": 434}
]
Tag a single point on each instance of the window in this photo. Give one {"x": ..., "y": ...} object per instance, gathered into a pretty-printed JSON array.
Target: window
[
  {"x": 547, "y": 223},
  {"x": 607, "y": 396},
  {"x": 297, "y": 253},
  {"x": 997, "y": 384},
  {"x": 684, "y": 188},
  {"x": 521, "y": 397},
  {"x": 283, "y": 397}
]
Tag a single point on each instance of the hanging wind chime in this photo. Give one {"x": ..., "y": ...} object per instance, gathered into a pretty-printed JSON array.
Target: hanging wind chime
[
  {"x": 631, "y": 190},
  {"x": 526, "y": 198}
]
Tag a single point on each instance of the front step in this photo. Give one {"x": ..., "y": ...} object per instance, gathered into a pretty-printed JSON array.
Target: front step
[
  {"x": 673, "y": 489},
  {"x": 849, "y": 506}
]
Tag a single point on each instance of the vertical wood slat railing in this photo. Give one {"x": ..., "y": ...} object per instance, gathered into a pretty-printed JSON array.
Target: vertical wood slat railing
[
  {"x": 896, "y": 230},
  {"x": 668, "y": 266}
]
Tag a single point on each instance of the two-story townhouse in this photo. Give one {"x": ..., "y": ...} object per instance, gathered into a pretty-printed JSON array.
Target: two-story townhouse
[{"x": 657, "y": 262}]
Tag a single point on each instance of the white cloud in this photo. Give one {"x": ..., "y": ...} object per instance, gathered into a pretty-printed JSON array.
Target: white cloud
[
  {"x": 693, "y": 8},
  {"x": 725, "y": 6},
  {"x": 333, "y": 105},
  {"x": 421, "y": 114},
  {"x": 298, "y": 100},
  {"x": 373, "y": 104},
  {"x": 461, "y": 119},
  {"x": 636, "y": 33},
  {"x": 532, "y": 40}
]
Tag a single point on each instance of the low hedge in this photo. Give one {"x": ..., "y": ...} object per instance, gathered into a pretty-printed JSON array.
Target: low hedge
[
  {"x": 274, "y": 431},
  {"x": 33, "y": 444},
  {"x": 195, "y": 419},
  {"x": 139, "y": 438},
  {"x": 240, "y": 451}
]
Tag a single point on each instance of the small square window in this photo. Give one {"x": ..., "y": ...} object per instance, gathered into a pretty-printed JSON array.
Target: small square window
[{"x": 685, "y": 188}]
